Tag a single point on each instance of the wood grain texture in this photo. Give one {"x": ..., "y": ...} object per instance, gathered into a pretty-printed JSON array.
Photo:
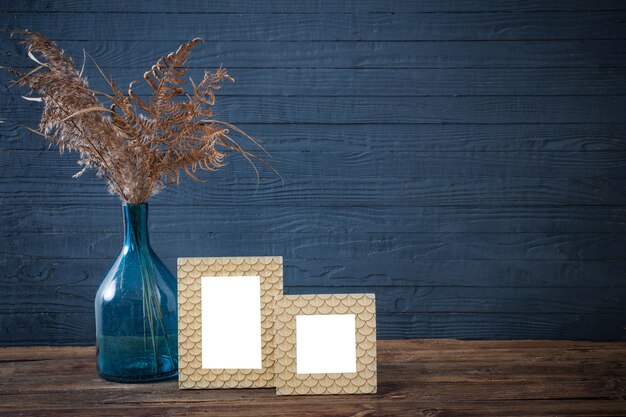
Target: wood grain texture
[
  {"x": 415, "y": 377},
  {"x": 45, "y": 272},
  {"x": 391, "y": 110},
  {"x": 381, "y": 164},
  {"x": 315, "y": 6},
  {"x": 462, "y": 159},
  {"x": 356, "y": 246},
  {"x": 276, "y": 55},
  {"x": 328, "y": 27},
  {"x": 105, "y": 217},
  {"x": 228, "y": 189},
  {"x": 416, "y": 82},
  {"x": 78, "y": 298},
  {"x": 373, "y": 137},
  {"x": 79, "y": 328}
]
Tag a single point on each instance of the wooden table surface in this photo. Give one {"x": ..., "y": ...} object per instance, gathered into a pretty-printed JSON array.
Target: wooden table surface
[{"x": 415, "y": 378}]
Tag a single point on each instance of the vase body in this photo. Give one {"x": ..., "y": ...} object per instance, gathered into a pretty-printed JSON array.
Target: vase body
[{"x": 135, "y": 306}]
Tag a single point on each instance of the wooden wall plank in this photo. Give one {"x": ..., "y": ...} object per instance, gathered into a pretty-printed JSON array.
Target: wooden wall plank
[
  {"x": 391, "y": 110},
  {"x": 383, "y": 164},
  {"x": 78, "y": 329},
  {"x": 20, "y": 269},
  {"x": 416, "y": 82},
  {"x": 230, "y": 189},
  {"x": 325, "y": 27},
  {"x": 326, "y": 54},
  {"x": 369, "y": 137},
  {"x": 32, "y": 299},
  {"x": 497, "y": 326},
  {"x": 105, "y": 216},
  {"x": 312, "y": 6},
  {"x": 356, "y": 246}
]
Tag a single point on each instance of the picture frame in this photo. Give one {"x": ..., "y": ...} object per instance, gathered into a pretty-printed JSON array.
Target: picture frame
[
  {"x": 330, "y": 318},
  {"x": 225, "y": 353}
]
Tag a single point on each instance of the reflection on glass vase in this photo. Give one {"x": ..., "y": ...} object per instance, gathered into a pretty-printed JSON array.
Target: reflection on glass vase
[{"x": 136, "y": 318}]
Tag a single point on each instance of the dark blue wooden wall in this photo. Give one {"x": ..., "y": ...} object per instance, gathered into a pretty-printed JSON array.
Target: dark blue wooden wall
[{"x": 464, "y": 160}]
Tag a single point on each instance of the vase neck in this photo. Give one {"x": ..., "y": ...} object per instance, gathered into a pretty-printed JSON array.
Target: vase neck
[{"x": 136, "y": 226}]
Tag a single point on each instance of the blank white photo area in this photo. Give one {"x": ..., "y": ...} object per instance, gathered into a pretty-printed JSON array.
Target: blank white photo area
[
  {"x": 231, "y": 322},
  {"x": 325, "y": 344}
]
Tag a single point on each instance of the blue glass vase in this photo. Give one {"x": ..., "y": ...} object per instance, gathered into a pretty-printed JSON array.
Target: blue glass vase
[{"x": 136, "y": 318}]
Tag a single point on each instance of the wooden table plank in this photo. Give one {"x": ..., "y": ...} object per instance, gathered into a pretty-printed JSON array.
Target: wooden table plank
[{"x": 416, "y": 378}]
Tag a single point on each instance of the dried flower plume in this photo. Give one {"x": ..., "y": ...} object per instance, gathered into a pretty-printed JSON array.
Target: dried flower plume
[{"x": 139, "y": 146}]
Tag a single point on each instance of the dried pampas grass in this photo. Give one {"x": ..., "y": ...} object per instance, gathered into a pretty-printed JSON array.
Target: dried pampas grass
[{"x": 139, "y": 146}]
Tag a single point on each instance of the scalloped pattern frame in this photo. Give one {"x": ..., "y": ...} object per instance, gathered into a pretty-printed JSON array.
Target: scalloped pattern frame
[
  {"x": 288, "y": 381},
  {"x": 191, "y": 375}
]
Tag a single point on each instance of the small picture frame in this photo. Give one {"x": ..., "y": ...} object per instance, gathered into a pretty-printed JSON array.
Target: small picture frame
[
  {"x": 226, "y": 321},
  {"x": 325, "y": 344}
]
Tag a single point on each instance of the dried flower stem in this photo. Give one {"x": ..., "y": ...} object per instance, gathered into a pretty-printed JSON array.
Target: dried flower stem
[{"x": 139, "y": 146}]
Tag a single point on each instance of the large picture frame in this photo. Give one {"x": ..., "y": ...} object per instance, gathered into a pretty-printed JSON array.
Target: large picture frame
[{"x": 221, "y": 281}]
